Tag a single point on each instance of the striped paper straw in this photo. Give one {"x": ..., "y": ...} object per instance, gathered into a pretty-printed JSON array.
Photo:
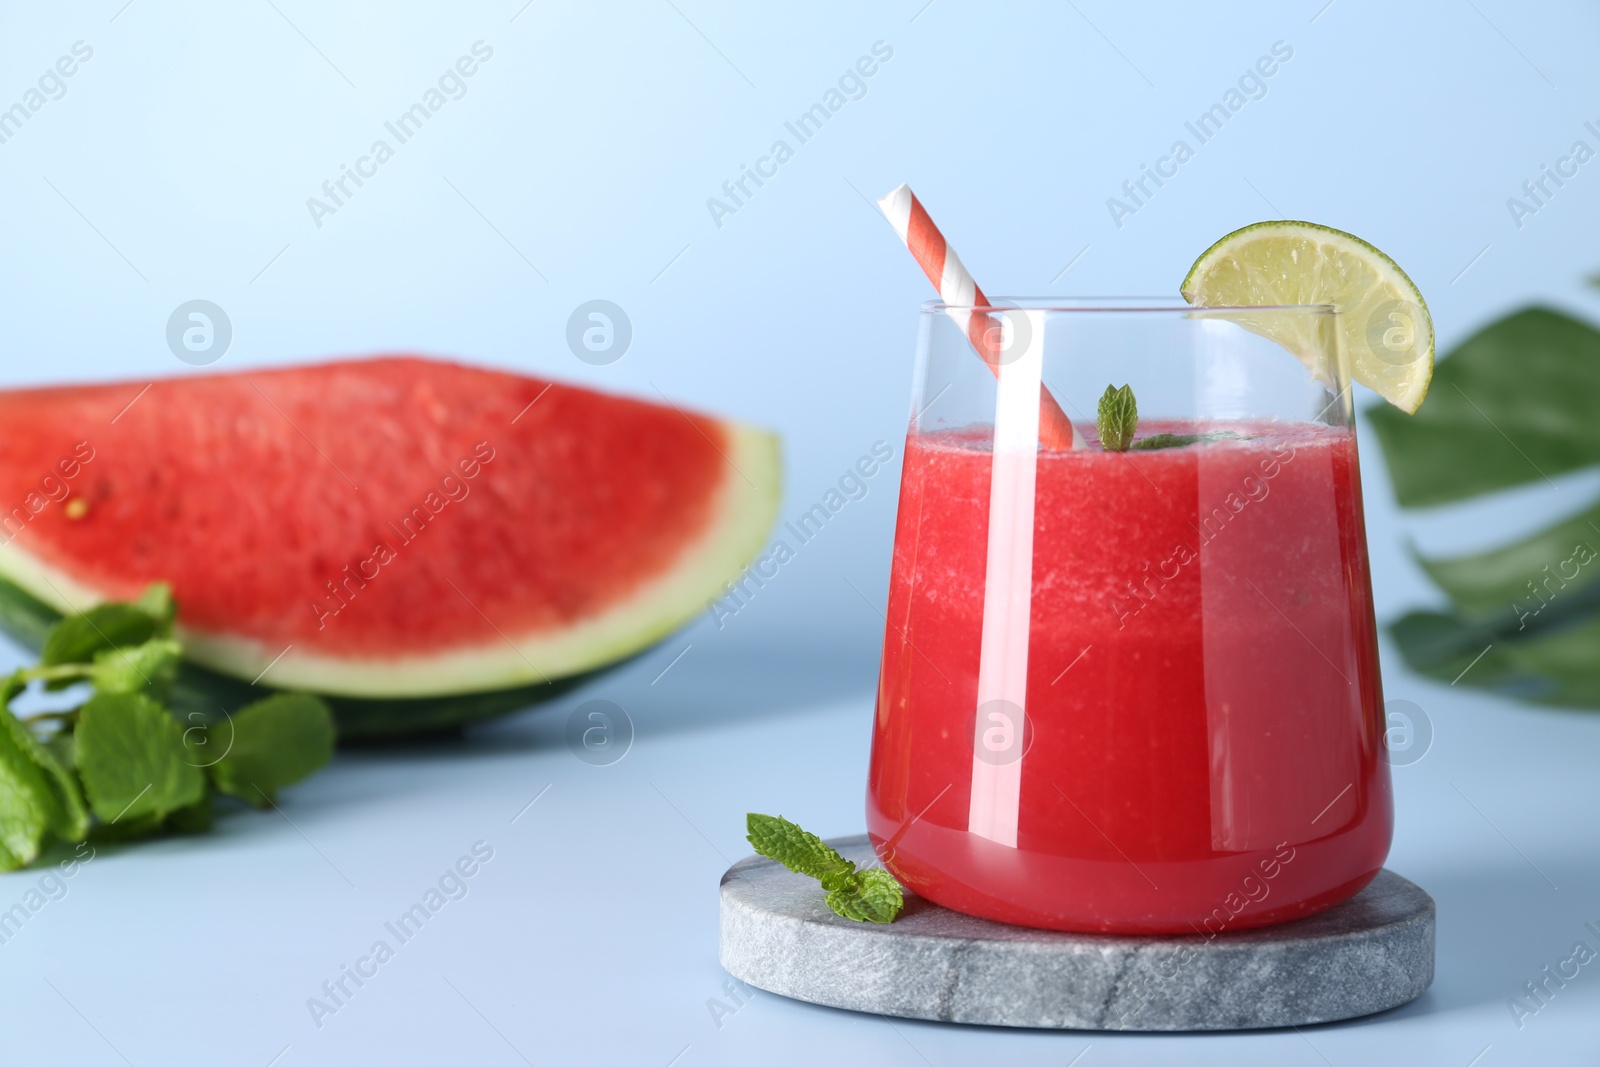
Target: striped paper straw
[{"x": 957, "y": 288}]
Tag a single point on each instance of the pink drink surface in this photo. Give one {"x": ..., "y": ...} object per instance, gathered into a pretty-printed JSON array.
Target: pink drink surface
[{"x": 1204, "y": 742}]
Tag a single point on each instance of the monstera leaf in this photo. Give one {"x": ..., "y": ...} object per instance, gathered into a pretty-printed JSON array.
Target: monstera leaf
[{"x": 1517, "y": 402}]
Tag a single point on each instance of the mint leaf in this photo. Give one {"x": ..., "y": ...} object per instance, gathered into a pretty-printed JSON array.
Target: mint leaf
[
  {"x": 132, "y": 758},
  {"x": 11, "y": 685},
  {"x": 269, "y": 744},
  {"x": 803, "y": 853},
  {"x": 1168, "y": 440},
  {"x": 148, "y": 668},
  {"x": 1178, "y": 440},
  {"x": 68, "y": 815},
  {"x": 1117, "y": 418},
  {"x": 71, "y": 822},
  {"x": 865, "y": 896},
  {"x": 77, "y": 638},
  {"x": 875, "y": 897},
  {"x": 28, "y": 802},
  {"x": 63, "y": 751},
  {"x": 156, "y": 601}
]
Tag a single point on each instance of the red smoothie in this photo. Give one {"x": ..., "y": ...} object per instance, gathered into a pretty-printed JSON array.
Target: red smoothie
[{"x": 1202, "y": 742}]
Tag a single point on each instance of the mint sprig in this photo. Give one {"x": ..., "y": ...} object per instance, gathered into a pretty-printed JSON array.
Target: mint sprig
[
  {"x": 118, "y": 764},
  {"x": 865, "y": 896},
  {"x": 1117, "y": 418}
]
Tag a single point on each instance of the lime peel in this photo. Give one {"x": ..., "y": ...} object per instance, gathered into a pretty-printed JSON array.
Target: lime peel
[{"x": 1386, "y": 328}]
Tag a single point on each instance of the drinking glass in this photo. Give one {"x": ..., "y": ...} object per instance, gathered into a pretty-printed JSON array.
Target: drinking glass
[{"x": 1131, "y": 691}]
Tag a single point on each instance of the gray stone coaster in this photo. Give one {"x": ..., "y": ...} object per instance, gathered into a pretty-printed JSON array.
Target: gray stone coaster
[{"x": 1374, "y": 951}]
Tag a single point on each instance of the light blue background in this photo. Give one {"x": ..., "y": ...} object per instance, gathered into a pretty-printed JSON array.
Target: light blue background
[{"x": 577, "y": 166}]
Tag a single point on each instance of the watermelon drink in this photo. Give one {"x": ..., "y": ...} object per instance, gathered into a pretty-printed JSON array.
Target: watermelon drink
[{"x": 1191, "y": 735}]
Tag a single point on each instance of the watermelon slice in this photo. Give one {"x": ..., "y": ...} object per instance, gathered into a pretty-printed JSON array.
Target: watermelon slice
[{"x": 422, "y": 541}]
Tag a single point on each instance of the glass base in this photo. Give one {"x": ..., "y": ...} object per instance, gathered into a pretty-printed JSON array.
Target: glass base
[{"x": 966, "y": 873}]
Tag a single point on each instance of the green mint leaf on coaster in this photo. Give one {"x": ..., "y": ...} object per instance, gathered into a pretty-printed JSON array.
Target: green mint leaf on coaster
[
  {"x": 865, "y": 896},
  {"x": 1117, "y": 418},
  {"x": 263, "y": 747},
  {"x": 876, "y": 897},
  {"x": 132, "y": 758},
  {"x": 803, "y": 853}
]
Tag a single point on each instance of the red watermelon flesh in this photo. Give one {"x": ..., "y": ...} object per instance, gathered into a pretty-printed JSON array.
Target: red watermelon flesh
[{"x": 403, "y": 526}]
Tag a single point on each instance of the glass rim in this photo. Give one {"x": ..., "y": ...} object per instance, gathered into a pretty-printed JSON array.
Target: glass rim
[{"x": 1148, "y": 305}]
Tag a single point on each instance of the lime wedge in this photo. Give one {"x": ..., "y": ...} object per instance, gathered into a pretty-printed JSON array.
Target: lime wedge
[{"x": 1387, "y": 330}]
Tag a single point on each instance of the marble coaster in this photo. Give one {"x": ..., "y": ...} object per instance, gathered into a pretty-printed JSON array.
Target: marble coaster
[{"x": 1374, "y": 951}]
